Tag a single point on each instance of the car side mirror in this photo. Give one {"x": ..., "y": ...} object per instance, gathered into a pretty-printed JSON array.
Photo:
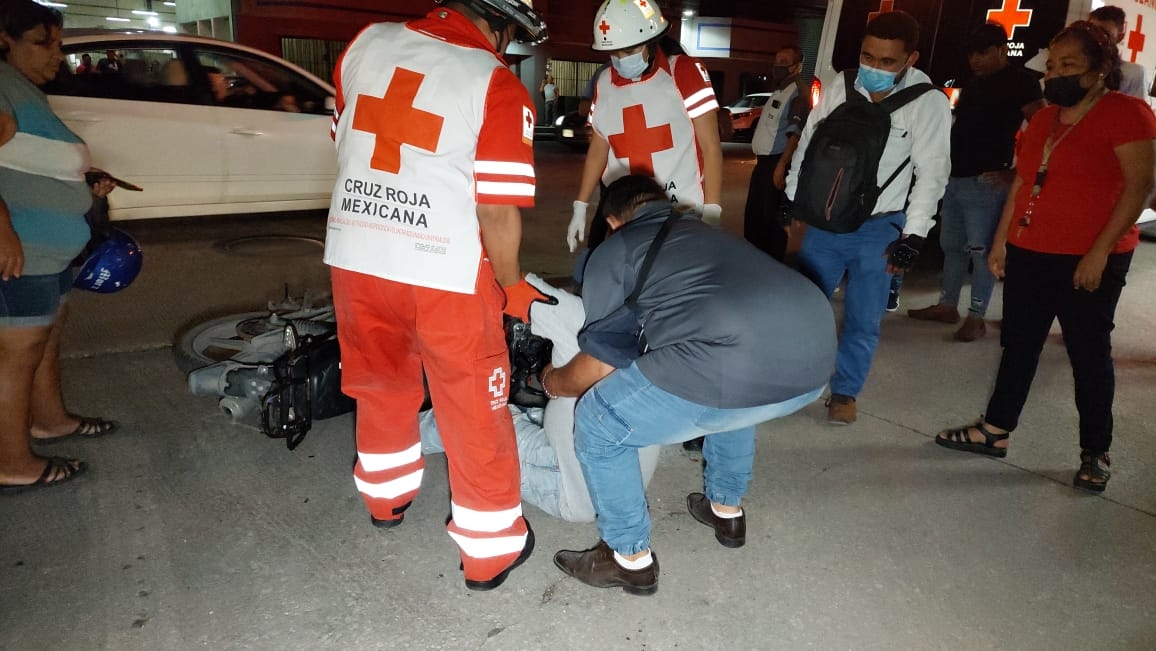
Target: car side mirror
[{"x": 330, "y": 103}]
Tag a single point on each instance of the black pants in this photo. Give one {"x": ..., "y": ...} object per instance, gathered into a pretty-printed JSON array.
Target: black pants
[
  {"x": 1037, "y": 290},
  {"x": 761, "y": 225}
]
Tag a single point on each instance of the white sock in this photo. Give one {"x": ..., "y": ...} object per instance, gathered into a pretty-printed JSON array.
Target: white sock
[
  {"x": 724, "y": 516},
  {"x": 640, "y": 564}
]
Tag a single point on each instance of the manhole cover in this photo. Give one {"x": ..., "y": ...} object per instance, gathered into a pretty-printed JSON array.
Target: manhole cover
[{"x": 272, "y": 246}]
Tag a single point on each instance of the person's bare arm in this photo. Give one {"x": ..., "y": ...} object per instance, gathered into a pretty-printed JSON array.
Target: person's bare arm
[
  {"x": 997, "y": 256},
  {"x": 706, "y": 133},
  {"x": 1136, "y": 161},
  {"x": 780, "y": 175},
  {"x": 573, "y": 379},
  {"x": 11, "y": 251},
  {"x": 501, "y": 229},
  {"x": 596, "y": 157}
]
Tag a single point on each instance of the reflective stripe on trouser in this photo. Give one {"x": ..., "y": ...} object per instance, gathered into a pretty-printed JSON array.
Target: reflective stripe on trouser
[{"x": 389, "y": 332}]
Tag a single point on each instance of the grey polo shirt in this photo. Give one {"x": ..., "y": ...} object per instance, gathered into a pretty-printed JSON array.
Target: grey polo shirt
[{"x": 727, "y": 326}]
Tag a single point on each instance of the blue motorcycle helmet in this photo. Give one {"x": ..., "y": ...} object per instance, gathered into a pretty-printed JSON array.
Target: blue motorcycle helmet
[{"x": 112, "y": 266}]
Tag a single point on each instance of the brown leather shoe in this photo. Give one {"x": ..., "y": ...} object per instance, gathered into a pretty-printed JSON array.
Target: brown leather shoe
[
  {"x": 597, "y": 567},
  {"x": 729, "y": 532},
  {"x": 973, "y": 328},
  {"x": 841, "y": 409},
  {"x": 942, "y": 313}
]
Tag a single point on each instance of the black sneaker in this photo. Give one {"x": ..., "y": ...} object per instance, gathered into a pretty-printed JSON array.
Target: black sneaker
[
  {"x": 482, "y": 586},
  {"x": 892, "y": 301}
]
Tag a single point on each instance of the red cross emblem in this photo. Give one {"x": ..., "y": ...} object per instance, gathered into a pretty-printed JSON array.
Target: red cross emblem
[
  {"x": 604, "y": 27},
  {"x": 1010, "y": 17},
  {"x": 638, "y": 143},
  {"x": 642, "y": 4},
  {"x": 395, "y": 122},
  {"x": 885, "y": 6},
  {"x": 1136, "y": 38}
]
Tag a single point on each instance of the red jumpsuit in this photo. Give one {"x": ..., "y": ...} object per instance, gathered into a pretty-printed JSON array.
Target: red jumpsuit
[{"x": 429, "y": 124}]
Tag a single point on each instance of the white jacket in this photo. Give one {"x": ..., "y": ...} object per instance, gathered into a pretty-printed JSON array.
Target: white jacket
[{"x": 921, "y": 130}]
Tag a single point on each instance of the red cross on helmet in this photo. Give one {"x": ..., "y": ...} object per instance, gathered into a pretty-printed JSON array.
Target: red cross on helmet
[
  {"x": 623, "y": 24},
  {"x": 531, "y": 27}
]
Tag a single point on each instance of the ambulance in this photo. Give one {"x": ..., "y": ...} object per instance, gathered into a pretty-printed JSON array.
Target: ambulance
[{"x": 1030, "y": 24}]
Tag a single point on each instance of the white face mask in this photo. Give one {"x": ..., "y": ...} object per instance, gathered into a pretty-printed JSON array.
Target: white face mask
[{"x": 630, "y": 66}]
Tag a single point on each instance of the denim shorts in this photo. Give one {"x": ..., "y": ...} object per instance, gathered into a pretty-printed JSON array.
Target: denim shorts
[{"x": 33, "y": 301}]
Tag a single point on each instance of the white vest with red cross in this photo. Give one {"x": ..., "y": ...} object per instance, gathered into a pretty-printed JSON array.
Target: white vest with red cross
[
  {"x": 649, "y": 128},
  {"x": 418, "y": 151}
]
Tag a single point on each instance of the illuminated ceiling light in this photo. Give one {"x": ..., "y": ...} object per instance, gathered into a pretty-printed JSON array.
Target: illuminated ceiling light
[
  {"x": 169, "y": 29},
  {"x": 153, "y": 21},
  {"x": 140, "y": 12},
  {"x": 689, "y": 13},
  {"x": 58, "y": 5},
  {"x": 170, "y": 4},
  {"x": 115, "y": 19}
]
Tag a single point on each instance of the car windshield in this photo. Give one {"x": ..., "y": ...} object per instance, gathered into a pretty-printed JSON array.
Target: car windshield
[{"x": 751, "y": 101}]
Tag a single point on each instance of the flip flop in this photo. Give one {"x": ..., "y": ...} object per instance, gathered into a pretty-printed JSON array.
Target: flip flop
[
  {"x": 88, "y": 428},
  {"x": 57, "y": 470}
]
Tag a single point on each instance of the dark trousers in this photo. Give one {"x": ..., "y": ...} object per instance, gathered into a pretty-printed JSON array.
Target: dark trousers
[
  {"x": 761, "y": 225},
  {"x": 1038, "y": 290}
]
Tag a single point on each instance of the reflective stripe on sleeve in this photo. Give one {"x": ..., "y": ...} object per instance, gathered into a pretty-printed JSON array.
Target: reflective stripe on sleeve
[
  {"x": 484, "y": 521},
  {"x": 390, "y": 489},
  {"x": 702, "y": 109},
  {"x": 378, "y": 462},
  {"x": 495, "y": 189},
  {"x": 698, "y": 97},
  {"x": 489, "y": 547},
  {"x": 504, "y": 169}
]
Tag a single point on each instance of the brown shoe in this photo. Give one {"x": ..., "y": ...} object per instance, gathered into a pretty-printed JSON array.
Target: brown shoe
[
  {"x": 942, "y": 312},
  {"x": 597, "y": 567},
  {"x": 841, "y": 409},
  {"x": 973, "y": 328},
  {"x": 730, "y": 532}
]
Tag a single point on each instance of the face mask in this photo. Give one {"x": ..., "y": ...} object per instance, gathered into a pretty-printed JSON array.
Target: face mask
[
  {"x": 779, "y": 73},
  {"x": 631, "y": 66},
  {"x": 875, "y": 80},
  {"x": 1064, "y": 91}
]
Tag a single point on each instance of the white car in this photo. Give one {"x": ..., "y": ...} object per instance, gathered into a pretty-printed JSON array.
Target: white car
[{"x": 205, "y": 127}]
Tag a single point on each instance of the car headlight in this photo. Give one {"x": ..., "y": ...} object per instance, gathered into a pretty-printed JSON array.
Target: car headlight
[
  {"x": 567, "y": 133},
  {"x": 558, "y": 121}
]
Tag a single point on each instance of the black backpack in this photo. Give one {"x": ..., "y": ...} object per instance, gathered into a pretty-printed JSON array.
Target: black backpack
[{"x": 837, "y": 187}]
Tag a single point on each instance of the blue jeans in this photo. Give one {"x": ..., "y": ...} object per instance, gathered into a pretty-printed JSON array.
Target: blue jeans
[
  {"x": 971, "y": 211},
  {"x": 825, "y": 258},
  {"x": 625, "y": 412}
]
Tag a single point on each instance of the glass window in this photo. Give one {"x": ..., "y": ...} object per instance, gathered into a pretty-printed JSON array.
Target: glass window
[
  {"x": 150, "y": 74},
  {"x": 241, "y": 80}
]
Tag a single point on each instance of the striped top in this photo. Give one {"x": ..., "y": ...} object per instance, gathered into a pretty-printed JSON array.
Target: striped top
[{"x": 42, "y": 178}]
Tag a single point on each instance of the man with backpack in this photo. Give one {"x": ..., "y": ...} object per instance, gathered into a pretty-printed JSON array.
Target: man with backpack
[{"x": 874, "y": 130}]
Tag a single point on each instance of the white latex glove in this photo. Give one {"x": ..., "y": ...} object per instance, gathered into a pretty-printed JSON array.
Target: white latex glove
[
  {"x": 712, "y": 214},
  {"x": 576, "y": 231}
]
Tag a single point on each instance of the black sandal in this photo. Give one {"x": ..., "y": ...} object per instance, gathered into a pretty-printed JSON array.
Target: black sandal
[
  {"x": 958, "y": 439},
  {"x": 1096, "y": 468}
]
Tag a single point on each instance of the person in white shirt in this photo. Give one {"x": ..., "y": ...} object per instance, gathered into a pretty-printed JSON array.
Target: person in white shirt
[
  {"x": 774, "y": 143},
  {"x": 889, "y": 241},
  {"x": 1113, "y": 20}
]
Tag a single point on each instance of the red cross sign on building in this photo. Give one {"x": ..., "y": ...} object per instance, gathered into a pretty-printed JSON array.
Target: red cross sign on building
[
  {"x": 1136, "y": 38},
  {"x": 1010, "y": 17},
  {"x": 395, "y": 121},
  {"x": 638, "y": 143},
  {"x": 885, "y": 6}
]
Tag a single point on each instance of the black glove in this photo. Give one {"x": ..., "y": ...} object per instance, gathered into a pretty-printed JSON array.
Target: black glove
[
  {"x": 902, "y": 253},
  {"x": 786, "y": 207},
  {"x": 529, "y": 354}
]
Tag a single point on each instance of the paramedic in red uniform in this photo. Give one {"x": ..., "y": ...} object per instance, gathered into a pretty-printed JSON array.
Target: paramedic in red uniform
[
  {"x": 435, "y": 151},
  {"x": 653, "y": 115}
]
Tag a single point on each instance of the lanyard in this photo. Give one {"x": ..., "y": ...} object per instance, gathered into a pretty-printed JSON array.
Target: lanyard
[{"x": 1042, "y": 173}]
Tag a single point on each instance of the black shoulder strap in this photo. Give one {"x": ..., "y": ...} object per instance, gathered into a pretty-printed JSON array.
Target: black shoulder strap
[
  {"x": 648, "y": 262},
  {"x": 904, "y": 97},
  {"x": 849, "y": 78}
]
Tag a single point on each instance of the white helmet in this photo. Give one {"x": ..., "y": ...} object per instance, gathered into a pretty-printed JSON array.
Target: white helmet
[
  {"x": 622, "y": 24},
  {"x": 531, "y": 27}
]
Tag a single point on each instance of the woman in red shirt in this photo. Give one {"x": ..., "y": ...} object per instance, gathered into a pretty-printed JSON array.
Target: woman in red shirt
[{"x": 1065, "y": 242}]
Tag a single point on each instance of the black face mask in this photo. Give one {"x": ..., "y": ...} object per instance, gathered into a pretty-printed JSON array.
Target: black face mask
[
  {"x": 1064, "y": 91},
  {"x": 779, "y": 73}
]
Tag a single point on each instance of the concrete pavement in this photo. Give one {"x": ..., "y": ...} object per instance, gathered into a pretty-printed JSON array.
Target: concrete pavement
[{"x": 189, "y": 532}]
